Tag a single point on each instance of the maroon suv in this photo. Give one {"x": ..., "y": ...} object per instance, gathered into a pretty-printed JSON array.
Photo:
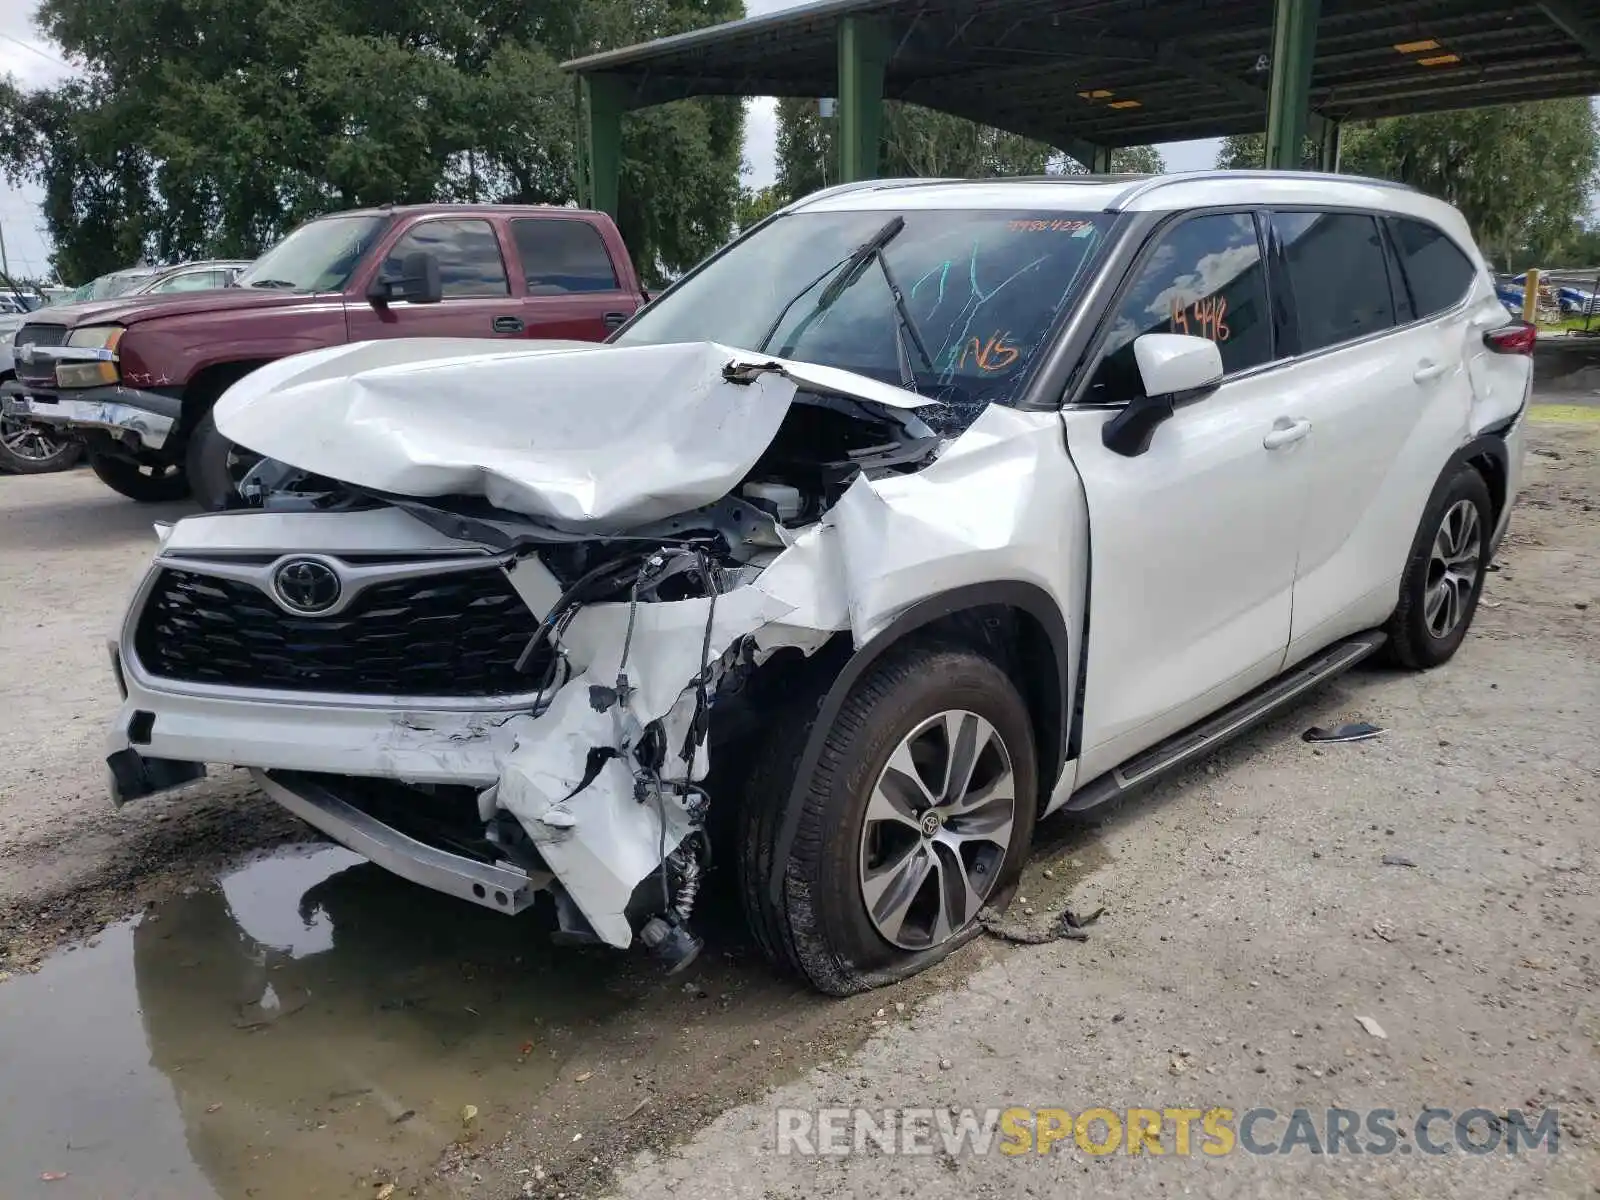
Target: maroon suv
[{"x": 134, "y": 379}]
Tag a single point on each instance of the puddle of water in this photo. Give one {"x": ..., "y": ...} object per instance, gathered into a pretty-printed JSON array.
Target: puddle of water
[
  {"x": 308, "y": 1020},
  {"x": 301, "y": 1022}
]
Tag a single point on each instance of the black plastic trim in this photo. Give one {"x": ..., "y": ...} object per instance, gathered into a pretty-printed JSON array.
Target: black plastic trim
[{"x": 1028, "y": 597}]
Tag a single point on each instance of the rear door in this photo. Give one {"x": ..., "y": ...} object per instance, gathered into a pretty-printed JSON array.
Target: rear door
[
  {"x": 1193, "y": 543},
  {"x": 477, "y": 289},
  {"x": 572, "y": 286},
  {"x": 1386, "y": 395}
]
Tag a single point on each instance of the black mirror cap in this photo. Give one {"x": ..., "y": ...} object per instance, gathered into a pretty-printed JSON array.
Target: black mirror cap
[
  {"x": 419, "y": 282},
  {"x": 1129, "y": 432}
]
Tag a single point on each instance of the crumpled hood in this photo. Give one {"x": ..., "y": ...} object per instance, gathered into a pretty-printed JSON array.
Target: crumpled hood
[{"x": 582, "y": 436}]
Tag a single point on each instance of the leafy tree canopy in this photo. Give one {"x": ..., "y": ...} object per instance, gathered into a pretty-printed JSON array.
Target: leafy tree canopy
[
  {"x": 214, "y": 126},
  {"x": 1523, "y": 174},
  {"x": 923, "y": 143}
]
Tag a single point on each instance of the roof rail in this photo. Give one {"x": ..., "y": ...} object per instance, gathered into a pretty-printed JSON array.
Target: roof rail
[
  {"x": 859, "y": 185},
  {"x": 1156, "y": 182}
]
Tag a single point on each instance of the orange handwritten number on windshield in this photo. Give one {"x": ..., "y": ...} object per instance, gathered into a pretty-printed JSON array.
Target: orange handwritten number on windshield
[
  {"x": 1205, "y": 317},
  {"x": 993, "y": 355}
]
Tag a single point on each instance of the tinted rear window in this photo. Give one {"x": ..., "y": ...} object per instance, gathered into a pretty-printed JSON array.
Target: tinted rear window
[
  {"x": 1437, "y": 275},
  {"x": 1338, "y": 275},
  {"x": 562, "y": 256}
]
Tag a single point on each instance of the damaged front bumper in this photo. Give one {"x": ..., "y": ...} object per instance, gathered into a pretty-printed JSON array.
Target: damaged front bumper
[
  {"x": 544, "y": 724},
  {"x": 141, "y": 420}
]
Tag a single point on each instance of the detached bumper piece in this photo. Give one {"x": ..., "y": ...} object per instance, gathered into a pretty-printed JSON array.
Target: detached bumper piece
[
  {"x": 500, "y": 886},
  {"x": 133, "y": 776},
  {"x": 144, "y": 419}
]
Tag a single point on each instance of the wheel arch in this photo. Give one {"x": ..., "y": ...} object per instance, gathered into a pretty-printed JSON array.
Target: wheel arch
[
  {"x": 1034, "y": 652},
  {"x": 1488, "y": 455},
  {"x": 208, "y": 383}
]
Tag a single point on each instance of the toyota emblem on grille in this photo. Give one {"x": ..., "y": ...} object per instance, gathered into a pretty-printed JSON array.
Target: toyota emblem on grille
[{"x": 306, "y": 585}]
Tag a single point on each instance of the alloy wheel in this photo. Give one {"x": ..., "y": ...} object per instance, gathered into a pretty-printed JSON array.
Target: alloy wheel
[
  {"x": 30, "y": 443},
  {"x": 1453, "y": 569},
  {"x": 938, "y": 825}
]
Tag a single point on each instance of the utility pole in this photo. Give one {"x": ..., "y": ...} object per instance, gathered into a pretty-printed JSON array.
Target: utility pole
[{"x": 5, "y": 266}]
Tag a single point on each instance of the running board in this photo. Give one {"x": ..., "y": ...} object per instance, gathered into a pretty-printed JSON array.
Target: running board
[{"x": 1229, "y": 722}]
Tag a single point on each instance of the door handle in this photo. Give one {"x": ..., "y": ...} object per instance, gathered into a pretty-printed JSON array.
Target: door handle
[
  {"x": 1429, "y": 370},
  {"x": 614, "y": 320},
  {"x": 1286, "y": 431},
  {"x": 508, "y": 325}
]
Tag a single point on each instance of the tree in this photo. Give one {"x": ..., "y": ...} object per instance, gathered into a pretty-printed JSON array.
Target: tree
[
  {"x": 924, "y": 143},
  {"x": 757, "y": 204},
  {"x": 1125, "y": 160},
  {"x": 213, "y": 126},
  {"x": 1522, "y": 174}
]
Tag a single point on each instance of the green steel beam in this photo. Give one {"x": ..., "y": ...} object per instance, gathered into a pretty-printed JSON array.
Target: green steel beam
[
  {"x": 1328, "y": 145},
  {"x": 863, "y": 59},
  {"x": 1294, "y": 48},
  {"x": 1577, "y": 20},
  {"x": 602, "y": 99}
]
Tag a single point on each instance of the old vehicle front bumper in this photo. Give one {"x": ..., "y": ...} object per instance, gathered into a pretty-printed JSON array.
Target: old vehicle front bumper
[{"x": 144, "y": 419}]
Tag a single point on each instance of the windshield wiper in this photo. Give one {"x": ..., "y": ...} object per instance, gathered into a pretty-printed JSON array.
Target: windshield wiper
[
  {"x": 904, "y": 327},
  {"x": 849, "y": 272},
  {"x": 275, "y": 283}
]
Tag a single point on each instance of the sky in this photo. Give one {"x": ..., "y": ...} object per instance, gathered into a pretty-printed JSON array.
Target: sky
[{"x": 34, "y": 62}]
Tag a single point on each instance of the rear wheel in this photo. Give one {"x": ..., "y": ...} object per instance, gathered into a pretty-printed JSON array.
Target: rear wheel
[
  {"x": 1444, "y": 575},
  {"x": 146, "y": 484},
  {"x": 918, "y": 815}
]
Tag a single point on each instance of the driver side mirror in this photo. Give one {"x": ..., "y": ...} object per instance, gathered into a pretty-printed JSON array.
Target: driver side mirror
[
  {"x": 1174, "y": 368},
  {"x": 419, "y": 282}
]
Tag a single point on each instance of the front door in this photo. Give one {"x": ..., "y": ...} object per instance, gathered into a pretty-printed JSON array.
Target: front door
[
  {"x": 1193, "y": 543},
  {"x": 477, "y": 293}
]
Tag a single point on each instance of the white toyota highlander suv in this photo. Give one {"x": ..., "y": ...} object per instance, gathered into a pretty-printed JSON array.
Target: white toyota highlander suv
[{"x": 924, "y": 509}]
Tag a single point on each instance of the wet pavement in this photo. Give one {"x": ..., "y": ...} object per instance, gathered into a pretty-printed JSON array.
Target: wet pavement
[
  {"x": 307, "y": 1026},
  {"x": 305, "y": 1020}
]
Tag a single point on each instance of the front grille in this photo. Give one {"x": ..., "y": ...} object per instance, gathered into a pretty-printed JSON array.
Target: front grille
[
  {"x": 35, "y": 334},
  {"x": 457, "y": 634},
  {"x": 39, "y": 335}
]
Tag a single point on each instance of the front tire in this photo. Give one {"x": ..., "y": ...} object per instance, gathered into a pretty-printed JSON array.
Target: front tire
[
  {"x": 148, "y": 485},
  {"x": 26, "y": 450},
  {"x": 215, "y": 466},
  {"x": 1444, "y": 574},
  {"x": 919, "y": 814}
]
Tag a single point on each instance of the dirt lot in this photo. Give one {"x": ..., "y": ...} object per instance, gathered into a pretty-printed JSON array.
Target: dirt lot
[{"x": 244, "y": 1013}]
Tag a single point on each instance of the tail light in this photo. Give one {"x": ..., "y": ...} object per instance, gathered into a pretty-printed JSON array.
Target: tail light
[{"x": 1517, "y": 338}]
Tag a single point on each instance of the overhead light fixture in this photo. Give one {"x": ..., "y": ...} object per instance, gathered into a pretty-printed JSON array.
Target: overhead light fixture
[
  {"x": 1126, "y": 104},
  {"x": 1439, "y": 60},
  {"x": 1416, "y": 47},
  {"x": 1097, "y": 94}
]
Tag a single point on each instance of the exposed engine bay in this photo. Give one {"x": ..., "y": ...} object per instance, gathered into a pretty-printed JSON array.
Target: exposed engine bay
[{"x": 712, "y": 510}]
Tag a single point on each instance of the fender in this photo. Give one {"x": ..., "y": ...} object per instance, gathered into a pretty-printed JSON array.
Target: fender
[
  {"x": 1028, "y": 597},
  {"x": 1488, "y": 447}
]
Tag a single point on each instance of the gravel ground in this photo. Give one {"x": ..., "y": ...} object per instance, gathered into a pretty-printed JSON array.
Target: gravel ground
[{"x": 1250, "y": 919}]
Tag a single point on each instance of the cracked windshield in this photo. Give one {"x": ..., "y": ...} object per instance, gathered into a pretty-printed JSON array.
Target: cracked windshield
[{"x": 950, "y": 304}]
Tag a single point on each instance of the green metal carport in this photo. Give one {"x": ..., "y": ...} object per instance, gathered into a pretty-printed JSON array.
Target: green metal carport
[{"x": 1087, "y": 76}]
